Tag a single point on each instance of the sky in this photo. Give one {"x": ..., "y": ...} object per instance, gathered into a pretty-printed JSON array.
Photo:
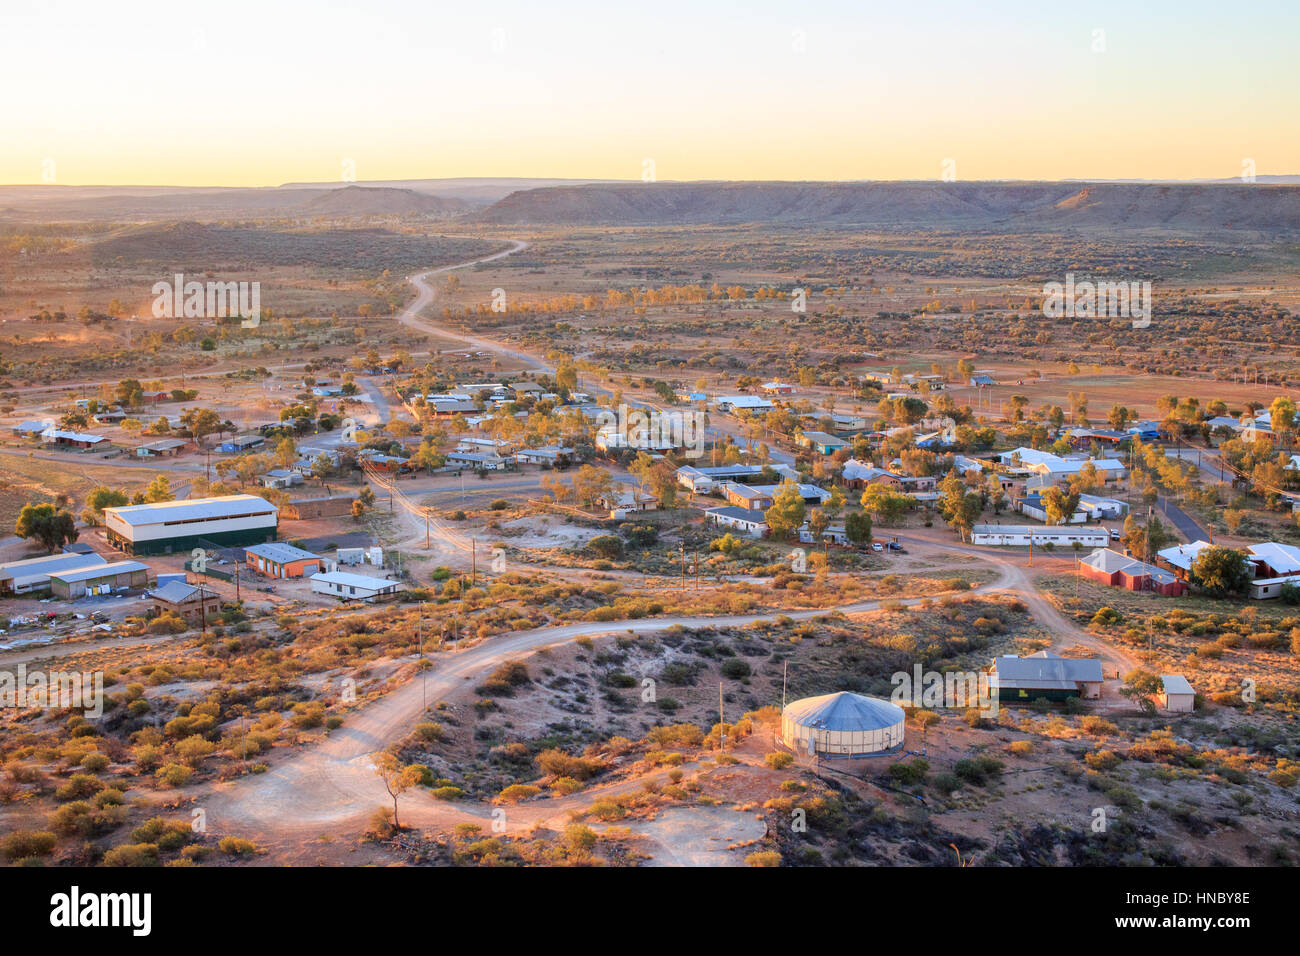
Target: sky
[{"x": 263, "y": 92}]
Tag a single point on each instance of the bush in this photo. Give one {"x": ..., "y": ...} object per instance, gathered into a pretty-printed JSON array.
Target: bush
[
  {"x": 607, "y": 810},
  {"x": 429, "y": 731},
  {"x": 607, "y": 546},
  {"x": 132, "y": 854},
  {"x": 23, "y": 844},
  {"x": 779, "y": 759},
  {"x": 237, "y": 846},
  {"x": 911, "y": 773},
  {"x": 447, "y": 793},
  {"x": 763, "y": 858},
  {"x": 517, "y": 792},
  {"x": 736, "y": 668}
]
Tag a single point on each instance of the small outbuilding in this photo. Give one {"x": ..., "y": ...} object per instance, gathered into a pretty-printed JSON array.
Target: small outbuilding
[
  {"x": 842, "y": 725},
  {"x": 1176, "y": 694}
]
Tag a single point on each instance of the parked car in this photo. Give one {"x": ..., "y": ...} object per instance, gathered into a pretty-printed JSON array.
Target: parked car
[
  {"x": 877, "y": 546},
  {"x": 1114, "y": 534}
]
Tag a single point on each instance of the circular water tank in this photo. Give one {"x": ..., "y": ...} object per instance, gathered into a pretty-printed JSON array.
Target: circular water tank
[{"x": 842, "y": 725}]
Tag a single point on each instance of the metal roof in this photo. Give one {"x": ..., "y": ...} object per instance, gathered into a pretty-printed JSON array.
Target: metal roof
[
  {"x": 280, "y": 552},
  {"x": 96, "y": 571},
  {"x": 354, "y": 580},
  {"x": 175, "y": 592},
  {"x": 192, "y": 509},
  {"x": 845, "y": 712},
  {"x": 1176, "y": 684},
  {"x": 1044, "y": 670},
  {"x": 743, "y": 514},
  {"x": 43, "y": 566}
]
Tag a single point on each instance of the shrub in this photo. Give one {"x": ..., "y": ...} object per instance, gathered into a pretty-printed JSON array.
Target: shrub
[
  {"x": 735, "y": 668},
  {"x": 23, "y": 844},
  {"x": 763, "y": 858},
  {"x": 607, "y": 546},
  {"x": 237, "y": 846},
  {"x": 517, "y": 792},
  {"x": 132, "y": 854},
  {"x": 447, "y": 793},
  {"x": 607, "y": 810},
  {"x": 779, "y": 759}
]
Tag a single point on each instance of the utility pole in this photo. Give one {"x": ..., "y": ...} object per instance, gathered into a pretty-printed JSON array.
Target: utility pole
[
  {"x": 785, "y": 667},
  {"x": 426, "y": 529},
  {"x": 722, "y": 724},
  {"x": 237, "y": 597}
]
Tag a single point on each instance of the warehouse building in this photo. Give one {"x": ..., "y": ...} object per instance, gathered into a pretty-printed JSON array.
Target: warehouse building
[
  {"x": 99, "y": 579},
  {"x": 278, "y": 560},
  {"x": 168, "y": 526},
  {"x": 842, "y": 726},
  {"x": 33, "y": 574}
]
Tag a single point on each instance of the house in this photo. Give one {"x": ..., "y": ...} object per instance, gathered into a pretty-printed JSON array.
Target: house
[
  {"x": 1273, "y": 560},
  {"x": 1025, "y": 679},
  {"x": 1119, "y": 570},
  {"x": 30, "y": 429},
  {"x": 168, "y": 526},
  {"x": 822, "y": 443},
  {"x": 1257, "y": 431},
  {"x": 1180, "y": 557},
  {"x": 164, "y": 446},
  {"x": 746, "y": 520},
  {"x": 624, "y": 501},
  {"x": 446, "y": 408},
  {"x": 281, "y": 478},
  {"x": 1176, "y": 694},
  {"x": 327, "y": 391},
  {"x": 525, "y": 389},
  {"x": 743, "y": 403},
  {"x": 688, "y": 395},
  {"x": 477, "y": 461},
  {"x": 189, "y": 602},
  {"x": 811, "y": 494},
  {"x": 778, "y": 388},
  {"x": 1083, "y": 437},
  {"x": 550, "y": 455},
  {"x": 859, "y": 474},
  {"x": 981, "y": 381},
  {"x": 353, "y": 587},
  {"x": 241, "y": 443},
  {"x": 1099, "y": 508},
  {"x": 58, "y": 436},
  {"x": 1032, "y": 506},
  {"x": 1034, "y": 535},
  {"x": 276, "y": 559},
  {"x": 379, "y": 461},
  {"x": 100, "y": 578},
  {"x": 743, "y": 496},
  {"x": 834, "y": 534},
  {"x": 1263, "y": 589},
  {"x": 33, "y": 574},
  {"x": 706, "y": 480}
]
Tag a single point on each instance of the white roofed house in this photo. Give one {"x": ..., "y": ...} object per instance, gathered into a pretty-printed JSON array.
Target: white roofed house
[
  {"x": 354, "y": 587},
  {"x": 99, "y": 578},
  {"x": 743, "y": 403},
  {"x": 1180, "y": 557},
  {"x": 1276, "y": 566},
  {"x": 749, "y": 521}
]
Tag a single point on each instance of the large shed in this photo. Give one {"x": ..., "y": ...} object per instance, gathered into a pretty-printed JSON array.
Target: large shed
[{"x": 842, "y": 725}]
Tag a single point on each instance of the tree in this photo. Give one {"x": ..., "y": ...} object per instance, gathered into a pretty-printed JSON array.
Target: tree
[
  {"x": 201, "y": 422},
  {"x": 857, "y": 527},
  {"x": 1220, "y": 571},
  {"x": 786, "y": 515},
  {"x": 52, "y": 527},
  {"x": 397, "y": 778},
  {"x": 99, "y": 499},
  {"x": 1140, "y": 686},
  {"x": 160, "y": 489},
  {"x": 1281, "y": 415},
  {"x": 1059, "y": 505},
  {"x": 817, "y": 524}
]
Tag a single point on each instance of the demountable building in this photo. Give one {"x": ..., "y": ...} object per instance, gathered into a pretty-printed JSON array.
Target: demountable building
[{"x": 842, "y": 725}]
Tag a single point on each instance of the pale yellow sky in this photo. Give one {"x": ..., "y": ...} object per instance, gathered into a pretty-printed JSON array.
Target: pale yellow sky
[{"x": 248, "y": 94}]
